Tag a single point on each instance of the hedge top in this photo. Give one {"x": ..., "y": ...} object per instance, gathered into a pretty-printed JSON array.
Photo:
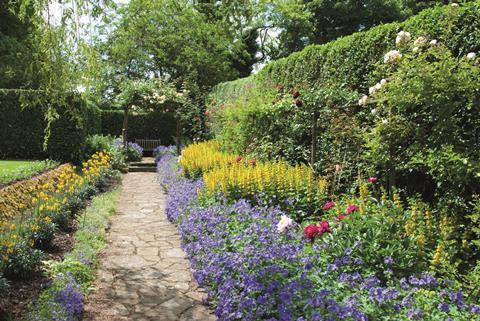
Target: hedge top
[{"x": 352, "y": 62}]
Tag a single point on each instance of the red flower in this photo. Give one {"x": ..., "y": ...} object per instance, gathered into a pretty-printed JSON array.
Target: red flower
[
  {"x": 340, "y": 217},
  {"x": 296, "y": 94},
  {"x": 253, "y": 162},
  {"x": 351, "y": 208},
  {"x": 372, "y": 180},
  {"x": 299, "y": 102},
  {"x": 324, "y": 227},
  {"x": 329, "y": 205},
  {"x": 238, "y": 159},
  {"x": 310, "y": 231}
]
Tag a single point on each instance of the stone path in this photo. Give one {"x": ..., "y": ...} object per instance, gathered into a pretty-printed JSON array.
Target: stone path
[{"x": 144, "y": 274}]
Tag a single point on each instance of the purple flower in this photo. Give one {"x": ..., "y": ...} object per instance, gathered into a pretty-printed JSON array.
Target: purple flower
[
  {"x": 388, "y": 260},
  {"x": 444, "y": 307}
]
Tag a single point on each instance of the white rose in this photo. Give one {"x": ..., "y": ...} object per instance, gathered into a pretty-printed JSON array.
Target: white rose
[
  {"x": 384, "y": 121},
  {"x": 403, "y": 37},
  {"x": 415, "y": 49},
  {"x": 373, "y": 111},
  {"x": 284, "y": 223},
  {"x": 434, "y": 42},
  {"x": 383, "y": 81},
  {"x": 420, "y": 41},
  {"x": 471, "y": 55},
  {"x": 454, "y": 5},
  {"x": 363, "y": 101},
  {"x": 392, "y": 56}
]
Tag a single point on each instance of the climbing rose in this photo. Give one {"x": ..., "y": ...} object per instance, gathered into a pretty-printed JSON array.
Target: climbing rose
[
  {"x": 284, "y": 223},
  {"x": 363, "y": 101},
  {"x": 310, "y": 231},
  {"x": 420, "y": 42},
  {"x": 340, "y": 217},
  {"x": 471, "y": 55},
  {"x": 372, "y": 180},
  {"x": 392, "y": 56},
  {"x": 328, "y": 205},
  {"x": 351, "y": 208},
  {"x": 383, "y": 81},
  {"x": 403, "y": 37}
]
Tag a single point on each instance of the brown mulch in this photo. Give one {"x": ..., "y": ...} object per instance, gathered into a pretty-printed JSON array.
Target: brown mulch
[{"x": 22, "y": 293}]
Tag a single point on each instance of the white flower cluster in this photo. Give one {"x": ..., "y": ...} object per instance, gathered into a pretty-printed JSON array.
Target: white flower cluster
[
  {"x": 403, "y": 37},
  {"x": 392, "y": 57},
  {"x": 471, "y": 55},
  {"x": 454, "y": 5},
  {"x": 372, "y": 90},
  {"x": 284, "y": 223}
]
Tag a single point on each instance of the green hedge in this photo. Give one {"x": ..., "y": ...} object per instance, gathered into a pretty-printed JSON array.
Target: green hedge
[
  {"x": 140, "y": 126},
  {"x": 23, "y": 129},
  {"x": 352, "y": 62}
]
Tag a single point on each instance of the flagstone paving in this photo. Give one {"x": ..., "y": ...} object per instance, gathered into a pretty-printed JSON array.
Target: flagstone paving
[{"x": 144, "y": 274}]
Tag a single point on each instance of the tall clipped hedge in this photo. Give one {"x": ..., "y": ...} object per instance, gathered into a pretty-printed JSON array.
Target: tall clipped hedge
[
  {"x": 23, "y": 129},
  {"x": 352, "y": 62},
  {"x": 155, "y": 125}
]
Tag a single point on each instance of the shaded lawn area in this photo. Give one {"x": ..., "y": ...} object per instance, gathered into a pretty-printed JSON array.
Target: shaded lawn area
[{"x": 15, "y": 170}]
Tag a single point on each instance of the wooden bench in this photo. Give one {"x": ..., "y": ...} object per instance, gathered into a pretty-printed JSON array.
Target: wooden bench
[{"x": 148, "y": 145}]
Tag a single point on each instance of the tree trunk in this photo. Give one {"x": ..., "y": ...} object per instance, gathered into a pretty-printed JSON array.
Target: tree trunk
[
  {"x": 178, "y": 134},
  {"x": 313, "y": 156},
  {"x": 125, "y": 128}
]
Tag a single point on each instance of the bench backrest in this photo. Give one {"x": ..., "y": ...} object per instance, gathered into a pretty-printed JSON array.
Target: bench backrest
[{"x": 148, "y": 144}]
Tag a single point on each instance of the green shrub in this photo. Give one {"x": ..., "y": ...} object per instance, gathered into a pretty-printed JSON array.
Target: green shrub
[
  {"x": 81, "y": 272},
  {"x": 42, "y": 232},
  {"x": 97, "y": 143},
  {"x": 22, "y": 262}
]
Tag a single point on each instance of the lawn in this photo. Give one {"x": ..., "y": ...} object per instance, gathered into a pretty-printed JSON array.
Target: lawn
[{"x": 14, "y": 170}]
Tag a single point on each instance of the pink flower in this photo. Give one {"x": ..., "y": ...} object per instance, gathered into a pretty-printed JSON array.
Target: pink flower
[
  {"x": 310, "y": 231},
  {"x": 324, "y": 227},
  {"x": 253, "y": 162},
  {"x": 284, "y": 223},
  {"x": 238, "y": 159},
  {"x": 372, "y": 179},
  {"x": 329, "y": 205},
  {"x": 351, "y": 208}
]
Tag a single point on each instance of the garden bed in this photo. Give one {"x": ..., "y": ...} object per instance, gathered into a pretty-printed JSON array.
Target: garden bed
[
  {"x": 40, "y": 224},
  {"x": 365, "y": 256}
]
